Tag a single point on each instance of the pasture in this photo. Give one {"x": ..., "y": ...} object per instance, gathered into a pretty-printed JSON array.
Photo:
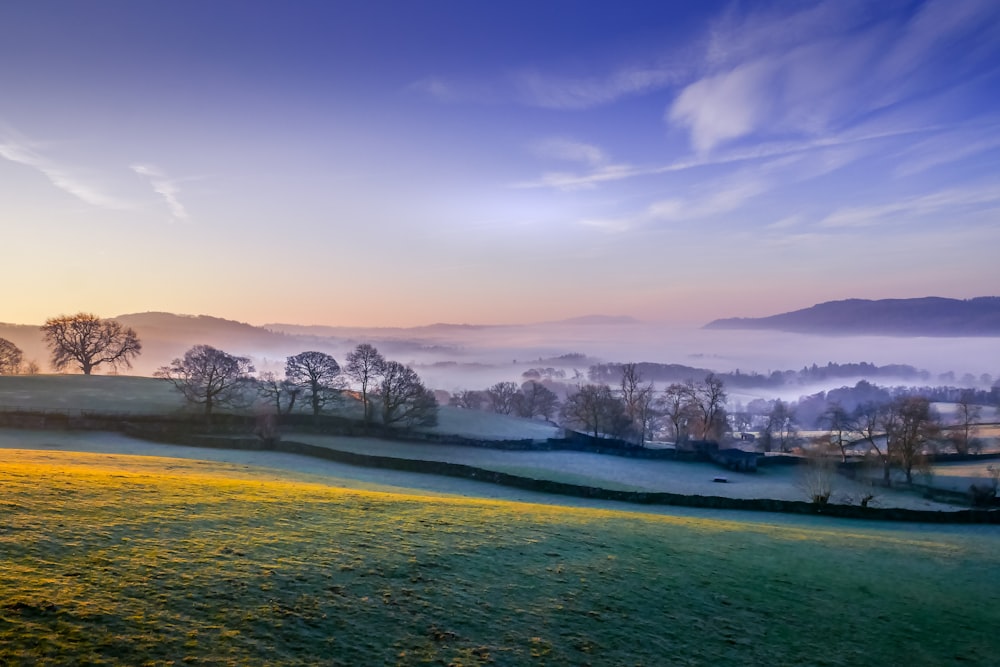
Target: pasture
[
  {"x": 94, "y": 393},
  {"x": 112, "y": 559}
]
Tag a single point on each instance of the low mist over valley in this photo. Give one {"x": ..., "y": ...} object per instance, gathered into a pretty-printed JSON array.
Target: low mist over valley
[{"x": 452, "y": 357}]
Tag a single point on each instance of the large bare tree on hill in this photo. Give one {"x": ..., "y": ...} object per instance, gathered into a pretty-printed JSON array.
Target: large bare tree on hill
[
  {"x": 209, "y": 377},
  {"x": 404, "y": 398},
  {"x": 87, "y": 341},
  {"x": 318, "y": 375}
]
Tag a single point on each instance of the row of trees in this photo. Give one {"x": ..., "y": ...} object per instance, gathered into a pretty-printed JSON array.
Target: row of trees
[
  {"x": 213, "y": 379},
  {"x": 632, "y": 409},
  {"x": 530, "y": 400}
]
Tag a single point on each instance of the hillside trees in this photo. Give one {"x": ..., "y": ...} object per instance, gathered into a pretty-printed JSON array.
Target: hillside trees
[
  {"x": 11, "y": 358},
  {"x": 87, "y": 341},
  {"x": 209, "y": 377},
  {"x": 317, "y": 375}
]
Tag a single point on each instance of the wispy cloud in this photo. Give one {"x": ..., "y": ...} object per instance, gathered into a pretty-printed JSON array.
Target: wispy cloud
[
  {"x": 561, "y": 148},
  {"x": 549, "y": 91},
  {"x": 534, "y": 87},
  {"x": 15, "y": 149},
  {"x": 604, "y": 173},
  {"x": 947, "y": 148},
  {"x": 953, "y": 200},
  {"x": 825, "y": 66},
  {"x": 451, "y": 91},
  {"x": 165, "y": 187}
]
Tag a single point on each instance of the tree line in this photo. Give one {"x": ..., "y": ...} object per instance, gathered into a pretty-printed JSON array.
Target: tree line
[
  {"x": 212, "y": 379},
  {"x": 631, "y": 409}
]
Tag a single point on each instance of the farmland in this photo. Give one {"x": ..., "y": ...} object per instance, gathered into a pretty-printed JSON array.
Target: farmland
[{"x": 117, "y": 559}]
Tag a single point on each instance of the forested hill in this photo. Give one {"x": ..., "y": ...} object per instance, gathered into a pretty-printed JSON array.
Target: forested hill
[{"x": 928, "y": 316}]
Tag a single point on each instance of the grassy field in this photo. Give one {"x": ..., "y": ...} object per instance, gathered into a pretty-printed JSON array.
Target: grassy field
[
  {"x": 97, "y": 393},
  {"x": 140, "y": 560}
]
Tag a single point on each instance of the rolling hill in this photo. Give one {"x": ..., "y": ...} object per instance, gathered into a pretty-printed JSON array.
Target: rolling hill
[{"x": 927, "y": 316}]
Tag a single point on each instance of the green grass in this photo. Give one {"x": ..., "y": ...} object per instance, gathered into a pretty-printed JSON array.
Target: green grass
[
  {"x": 97, "y": 393},
  {"x": 140, "y": 560}
]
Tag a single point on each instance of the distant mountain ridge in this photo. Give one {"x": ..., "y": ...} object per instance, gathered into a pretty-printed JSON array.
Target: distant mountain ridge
[{"x": 927, "y": 316}]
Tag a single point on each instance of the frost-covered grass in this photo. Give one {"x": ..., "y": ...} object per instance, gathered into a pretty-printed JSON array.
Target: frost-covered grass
[
  {"x": 141, "y": 560},
  {"x": 632, "y": 474}
]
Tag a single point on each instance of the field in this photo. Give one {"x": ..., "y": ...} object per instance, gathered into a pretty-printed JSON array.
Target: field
[
  {"x": 112, "y": 559},
  {"x": 628, "y": 474},
  {"x": 98, "y": 393}
]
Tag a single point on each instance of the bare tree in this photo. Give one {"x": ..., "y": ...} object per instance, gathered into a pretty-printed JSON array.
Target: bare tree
[
  {"x": 709, "y": 397},
  {"x": 209, "y": 377},
  {"x": 404, "y": 398},
  {"x": 537, "y": 400},
  {"x": 836, "y": 420},
  {"x": 868, "y": 421},
  {"x": 503, "y": 397},
  {"x": 11, "y": 358},
  {"x": 639, "y": 401},
  {"x": 470, "y": 399},
  {"x": 967, "y": 417},
  {"x": 364, "y": 365},
  {"x": 912, "y": 430},
  {"x": 676, "y": 405},
  {"x": 596, "y": 410},
  {"x": 87, "y": 341},
  {"x": 280, "y": 392},
  {"x": 817, "y": 478},
  {"x": 318, "y": 376},
  {"x": 780, "y": 426}
]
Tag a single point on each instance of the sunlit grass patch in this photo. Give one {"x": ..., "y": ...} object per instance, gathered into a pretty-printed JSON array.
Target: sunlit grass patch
[{"x": 132, "y": 560}]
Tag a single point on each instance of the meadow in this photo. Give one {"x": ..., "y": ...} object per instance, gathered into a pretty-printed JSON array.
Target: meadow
[{"x": 112, "y": 559}]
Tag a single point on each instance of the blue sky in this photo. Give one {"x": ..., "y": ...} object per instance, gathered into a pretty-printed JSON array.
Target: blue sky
[{"x": 401, "y": 163}]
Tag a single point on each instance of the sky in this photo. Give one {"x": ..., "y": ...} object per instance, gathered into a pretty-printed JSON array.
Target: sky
[{"x": 402, "y": 163}]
